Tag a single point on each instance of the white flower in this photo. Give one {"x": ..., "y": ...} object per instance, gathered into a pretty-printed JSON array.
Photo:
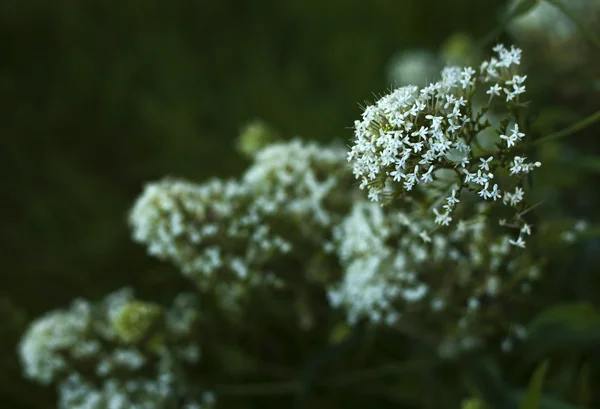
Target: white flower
[
  {"x": 442, "y": 219},
  {"x": 495, "y": 194},
  {"x": 514, "y": 137},
  {"x": 484, "y": 193},
  {"x": 494, "y": 90},
  {"x": 518, "y": 243},
  {"x": 519, "y": 165},
  {"x": 452, "y": 200},
  {"x": 425, "y": 236},
  {"x": 485, "y": 163},
  {"x": 468, "y": 176}
]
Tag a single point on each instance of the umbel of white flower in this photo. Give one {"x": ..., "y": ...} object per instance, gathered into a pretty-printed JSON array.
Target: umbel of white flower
[
  {"x": 449, "y": 283},
  {"x": 409, "y": 137},
  {"x": 120, "y": 353},
  {"x": 433, "y": 254},
  {"x": 229, "y": 235}
]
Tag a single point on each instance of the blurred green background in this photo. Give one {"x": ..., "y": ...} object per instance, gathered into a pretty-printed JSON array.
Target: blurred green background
[{"x": 100, "y": 97}]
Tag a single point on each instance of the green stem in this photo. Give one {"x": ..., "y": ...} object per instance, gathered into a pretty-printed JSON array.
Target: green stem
[
  {"x": 259, "y": 389},
  {"x": 293, "y": 387},
  {"x": 570, "y": 130},
  {"x": 383, "y": 371},
  {"x": 589, "y": 34}
]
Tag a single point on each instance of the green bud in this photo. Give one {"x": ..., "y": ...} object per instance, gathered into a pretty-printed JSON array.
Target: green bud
[
  {"x": 472, "y": 403},
  {"x": 255, "y": 136},
  {"x": 458, "y": 49},
  {"x": 135, "y": 321}
]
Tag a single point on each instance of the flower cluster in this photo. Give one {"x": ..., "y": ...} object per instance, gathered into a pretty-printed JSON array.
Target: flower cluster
[
  {"x": 410, "y": 133},
  {"x": 453, "y": 284},
  {"x": 231, "y": 233},
  {"x": 120, "y": 353},
  {"x": 437, "y": 256},
  {"x": 412, "y": 137}
]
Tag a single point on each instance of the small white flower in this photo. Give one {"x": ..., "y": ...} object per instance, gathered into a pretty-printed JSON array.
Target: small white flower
[
  {"x": 517, "y": 80},
  {"x": 485, "y": 163},
  {"x": 473, "y": 303},
  {"x": 518, "y": 243},
  {"x": 450, "y": 99},
  {"x": 495, "y": 194},
  {"x": 425, "y": 236},
  {"x": 426, "y": 178},
  {"x": 581, "y": 225},
  {"x": 468, "y": 176},
  {"x": 484, "y": 193},
  {"x": 452, "y": 200},
  {"x": 442, "y": 219},
  {"x": 494, "y": 90}
]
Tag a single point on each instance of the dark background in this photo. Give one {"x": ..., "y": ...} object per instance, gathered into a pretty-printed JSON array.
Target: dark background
[{"x": 99, "y": 97}]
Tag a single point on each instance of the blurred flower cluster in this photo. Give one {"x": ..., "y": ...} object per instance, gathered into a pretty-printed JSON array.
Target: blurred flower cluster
[{"x": 119, "y": 353}]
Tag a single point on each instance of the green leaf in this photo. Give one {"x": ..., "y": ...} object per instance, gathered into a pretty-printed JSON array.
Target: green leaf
[
  {"x": 575, "y": 317},
  {"x": 483, "y": 379},
  {"x": 534, "y": 392},
  {"x": 583, "y": 389},
  {"x": 339, "y": 333},
  {"x": 547, "y": 402},
  {"x": 587, "y": 163},
  {"x": 573, "y": 325}
]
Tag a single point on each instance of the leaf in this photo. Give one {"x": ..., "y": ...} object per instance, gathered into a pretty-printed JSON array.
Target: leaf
[
  {"x": 339, "y": 333},
  {"x": 484, "y": 381},
  {"x": 572, "y": 325},
  {"x": 587, "y": 163},
  {"x": 581, "y": 317},
  {"x": 534, "y": 392},
  {"x": 583, "y": 389},
  {"x": 548, "y": 402},
  {"x": 321, "y": 358}
]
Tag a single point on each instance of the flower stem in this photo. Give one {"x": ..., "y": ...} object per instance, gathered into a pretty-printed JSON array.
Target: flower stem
[
  {"x": 349, "y": 378},
  {"x": 259, "y": 389},
  {"x": 571, "y": 129}
]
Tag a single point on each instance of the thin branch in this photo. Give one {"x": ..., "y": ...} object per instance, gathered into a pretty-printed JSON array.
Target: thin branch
[
  {"x": 590, "y": 120},
  {"x": 259, "y": 389},
  {"x": 352, "y": 377}
]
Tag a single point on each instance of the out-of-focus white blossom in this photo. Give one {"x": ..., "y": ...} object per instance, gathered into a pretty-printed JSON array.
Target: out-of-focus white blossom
[
  {"x": 91, "y": 356},
  {"x": 391, "y": 272},
  {"x": 225, "y": 235}
]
